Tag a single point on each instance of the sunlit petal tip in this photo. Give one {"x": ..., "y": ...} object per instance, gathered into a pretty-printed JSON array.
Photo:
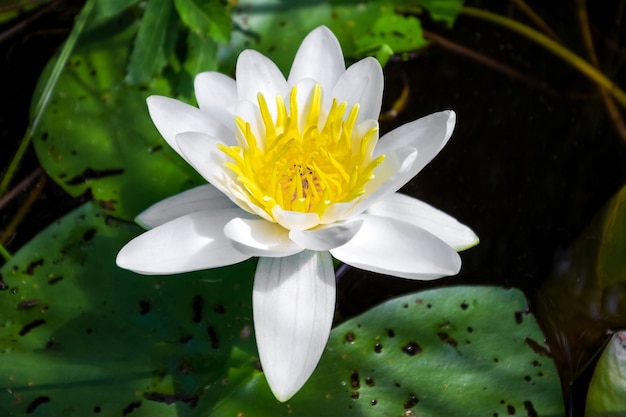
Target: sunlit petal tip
[
  {"x": 255, "y": 73},
  {"x": 293, "y": 303},
  {"x": 320, "y": 58},
  {"x": 362, "y": 83},
  {"x": 472, "y": 240}
]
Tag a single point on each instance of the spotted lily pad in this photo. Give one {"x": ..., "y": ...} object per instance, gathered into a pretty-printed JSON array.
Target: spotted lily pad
[
  {"x": 96, "y": 135},
  {"x": 81, "y": 337},
  {"x": 458, "y": 351}
]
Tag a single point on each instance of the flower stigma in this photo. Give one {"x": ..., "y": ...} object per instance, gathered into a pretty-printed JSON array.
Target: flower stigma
[{"x": 306, "y": 160}]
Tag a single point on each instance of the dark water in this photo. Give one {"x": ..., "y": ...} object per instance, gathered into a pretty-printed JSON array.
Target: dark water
[{"x": 530, "y": 163}]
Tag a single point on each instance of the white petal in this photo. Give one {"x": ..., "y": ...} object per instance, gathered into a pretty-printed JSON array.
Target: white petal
[
  {"x": 172, "y": 117},
  {"x": 320, "y": 58},
  {"x": 258, "y": 74},
  {"x": 205, "y": 197},
  {"x": 189, "y": 243},
  {"x": 362, "y": 84},
  {"x": 295, "y": 219},
  {"x": 258, "y": 237},
  {"x": 393, "y": 247},
  {"x": 411, "y": 210},
  {"x": 293, "y": 301},
  {"x": 428, "y": 135},
  {"x": 326, "y": 237},
  {"x": 216, "y": 94},
  {"x": 215, "y": 90}
]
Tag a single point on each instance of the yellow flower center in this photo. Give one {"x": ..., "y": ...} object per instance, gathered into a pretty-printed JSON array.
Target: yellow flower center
[{"x": 303, "y": 168}]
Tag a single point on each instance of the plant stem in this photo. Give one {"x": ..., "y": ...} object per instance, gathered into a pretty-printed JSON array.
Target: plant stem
[
  {"x": 5, "y": 253},
  {"x": 565, "y": 54}
]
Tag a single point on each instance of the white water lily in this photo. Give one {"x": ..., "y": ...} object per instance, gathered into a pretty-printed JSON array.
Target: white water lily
[{"x": 297, "y": 173}]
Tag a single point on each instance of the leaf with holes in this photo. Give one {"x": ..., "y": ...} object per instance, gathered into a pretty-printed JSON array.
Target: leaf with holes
[
  {"x": 96, "y": 135},
  {"x": 80, "y": 337},
  {"x": 457, "y": 351}
]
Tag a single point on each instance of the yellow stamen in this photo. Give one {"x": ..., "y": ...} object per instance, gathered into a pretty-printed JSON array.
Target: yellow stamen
[{"x": 303, "y": 168}]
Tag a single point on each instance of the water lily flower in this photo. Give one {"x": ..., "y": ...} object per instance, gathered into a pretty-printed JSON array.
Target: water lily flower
[{"x": 297, "y": 173}]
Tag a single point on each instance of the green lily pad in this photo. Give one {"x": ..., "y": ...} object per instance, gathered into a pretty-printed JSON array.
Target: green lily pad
[
  {"x": 96, "y": 135},
  {"x": 458, "y": 351},
  {"x": 607, "y": 391},
  {"x": 81, "y": 337}
]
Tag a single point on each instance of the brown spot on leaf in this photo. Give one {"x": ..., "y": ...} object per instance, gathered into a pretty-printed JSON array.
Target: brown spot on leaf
[
  {"x": 30, "y": 326},
  {"x": 32, "y": 407},
  {"x": 412, "y": 348}
]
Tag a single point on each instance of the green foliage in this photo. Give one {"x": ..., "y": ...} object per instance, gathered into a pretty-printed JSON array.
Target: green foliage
[
  {"x": 380, "y": 28},
  {"x": 457, "y": 351},
  {"x": 96, "y": 135},
  {"x": 79, "y": 336},
  {"x": 207, "y": 19},
  {"x": 148, "y": 54},
  {"x": 607, "y": 391}
]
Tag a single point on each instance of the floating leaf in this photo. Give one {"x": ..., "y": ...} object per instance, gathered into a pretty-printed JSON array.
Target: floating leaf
[
  {"x": 607, "y": 391},
  {"x": 96, "y": 135},
  {"x": 458, "y": 351},
  {"x": 80, "y": 337}
]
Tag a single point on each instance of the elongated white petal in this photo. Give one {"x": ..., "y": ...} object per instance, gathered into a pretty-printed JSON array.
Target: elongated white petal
[
  {"x": 294, "y": 219},
  {"x": 293, "y": 301},
  {"x": 326, "y": 237},
  {"x": 428, "y": 135},
  {"x": 189, "y": 243},
  {"x": 362, "y": 84},
  {"x": 411, "y": 210},
  {"x": 204, "y": 197},
  {"x": 320, "y": 58},
  {"x": 258, "y": 237},
  {"x": 392, "y": 247},
  {"x": 172, "y": 117},
  {"x": 258, "y": 74}
]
